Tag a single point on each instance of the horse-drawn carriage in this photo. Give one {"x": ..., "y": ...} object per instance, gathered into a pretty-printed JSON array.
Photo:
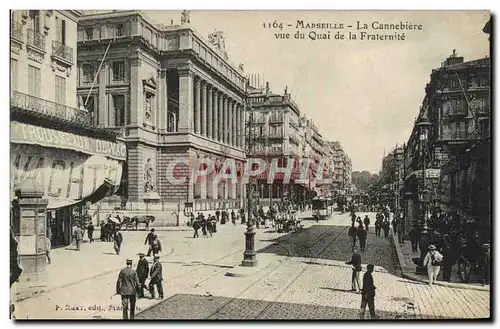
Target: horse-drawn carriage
[{"x": 126, "y": 222}]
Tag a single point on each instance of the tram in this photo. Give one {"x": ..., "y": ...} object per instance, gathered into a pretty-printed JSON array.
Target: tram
[{"x": 320, "y": 208}]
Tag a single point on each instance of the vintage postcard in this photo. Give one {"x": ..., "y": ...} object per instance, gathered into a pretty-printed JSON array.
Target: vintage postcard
[{"x": 250, "y": 165}]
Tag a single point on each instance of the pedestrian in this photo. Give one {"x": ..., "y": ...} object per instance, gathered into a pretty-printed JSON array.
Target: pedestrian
[
  {"x": 203, "y": 223},
  {"x": 242, "y": 215},
  {"x": 156, "y": 247},
  {"x": 401, "y": 231},
  {"x": 78, "y": 237},
  {"x": 353, "y": 234},
  {"x": 48, "y": 246},
  {"x": 214, "y": 223},
  {"x": 142, "y": 273},
  {"x": 210, "y": 227},
  {"x": 433, "y": 261},
  {"x": 367, "y": 223},
  {"x": 394, "y": 224},
  {"x": 90, "y": 232},
  {"x": 368, "y": 293},
  {"x": 355, "y": 262},
  {"x": 386, "y": 228},
  {"x": 448, "y": 261},
  {"x": 156, "y": 278},
  {"x": 127, "y": 286},
  {"x": 233, "y": 217},
  {"x": 362, "y": 234},
  {"x": 414, "y": 237},
  {"x": 118, "y": 241},
  {"x": 378, "y": 226},
  {"x": 217, "y": 214},
  {"x": 149, "y": 241},
  {"x": 196, "y": 227}
]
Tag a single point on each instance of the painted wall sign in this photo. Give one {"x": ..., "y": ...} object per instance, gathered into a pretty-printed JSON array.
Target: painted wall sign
[
  {"x": 67, "y": 176},
  {"x": 27, "y": 134}
]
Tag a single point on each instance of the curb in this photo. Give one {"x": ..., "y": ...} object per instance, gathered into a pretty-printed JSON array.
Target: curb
[{"x": 405, "y": 272}]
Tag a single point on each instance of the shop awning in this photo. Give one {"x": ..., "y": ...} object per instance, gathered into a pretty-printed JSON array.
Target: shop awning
[
  {"x": 67, "y": 177},
  {"x": 22, "y": 133}
]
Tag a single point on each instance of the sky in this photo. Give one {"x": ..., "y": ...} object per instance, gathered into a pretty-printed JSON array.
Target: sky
[{"x": 365, "y": 94}]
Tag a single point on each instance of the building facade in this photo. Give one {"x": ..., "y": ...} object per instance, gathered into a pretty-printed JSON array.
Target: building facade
[
  {"x": 454, "y": 150},
  {"x": 59, "y": 162},
  {"x": 174, "y": 96},
  {"x": 274, "y": 125},
  {"x": 342, "y": 168}
]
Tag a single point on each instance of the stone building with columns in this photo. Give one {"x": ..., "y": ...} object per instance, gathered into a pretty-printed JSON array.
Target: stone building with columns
[{"x": 173, "y": 95}]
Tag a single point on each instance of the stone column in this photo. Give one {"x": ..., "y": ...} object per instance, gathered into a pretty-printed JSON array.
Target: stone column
[
  {"x": 204, "y": 117},
  {"x": 221, "y": 117},
  {"x": 209, "y": 111},
  {"x": 197, "y": 106},
  {"x": 234, "y": 128},
  {"x": 242, "y": 123},
  {"x": 226, "y": 125},
  {"x": 215, "y": 109},
  {"x": 186, "y": 113},
  {"x": 161, "y": 101},
  {"x": 238, "y": 125},
  {"x": 136, "y": 93},
  {"x": 32, "y": 232}
]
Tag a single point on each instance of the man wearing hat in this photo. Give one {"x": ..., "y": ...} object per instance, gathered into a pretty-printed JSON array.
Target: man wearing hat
[
  {"x": 433, "y": 261},
  {"x": 127, "y": 286},
  {"x": 142, "y": 272},
  {"x": 368, "y": 293},
  {"x": 149, "y": 241},
  {"x": 156, "y": 278}
]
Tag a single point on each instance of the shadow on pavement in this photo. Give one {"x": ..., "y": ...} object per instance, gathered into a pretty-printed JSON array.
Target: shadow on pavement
[
  {"x": 332, "y": 243},
  {"x": 337, "y": 289},
  {"x": 196, "y": 307}
]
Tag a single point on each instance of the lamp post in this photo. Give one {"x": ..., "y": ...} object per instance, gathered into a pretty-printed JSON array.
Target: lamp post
[
  {"x": 424, "y": 125},
  {"x": 250, "y": 256}
]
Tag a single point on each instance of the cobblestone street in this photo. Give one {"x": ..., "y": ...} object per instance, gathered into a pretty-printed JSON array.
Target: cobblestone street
[{"x": 300, "y": 276}]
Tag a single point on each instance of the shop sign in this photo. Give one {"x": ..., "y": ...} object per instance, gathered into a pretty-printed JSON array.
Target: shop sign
[
  {"x": 28, "y": 134},
  {"x": 66, "y": 176}
]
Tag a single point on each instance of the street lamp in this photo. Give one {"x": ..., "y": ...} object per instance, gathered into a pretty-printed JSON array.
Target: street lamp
[
  {"x": 424, "y": 125},
  {"x": 250, "y": 256}
]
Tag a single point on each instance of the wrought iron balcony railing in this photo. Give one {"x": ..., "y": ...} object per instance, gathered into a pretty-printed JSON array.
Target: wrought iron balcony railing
[
  {"x": 61, "y": 50},
  {"x": 16, "y": 30},
  {"x": 36, "y": 39},
  {"x": 42, "y": 106}
]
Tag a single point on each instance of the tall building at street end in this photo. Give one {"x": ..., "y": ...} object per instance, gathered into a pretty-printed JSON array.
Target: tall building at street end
[
  {"x": 175, "y": 98},
  {"x": 274, "y": 127},
  {"x": 455, "y": 148},
  {"x": 342, "y": 172},
  {"x": 60, "y": 163}
]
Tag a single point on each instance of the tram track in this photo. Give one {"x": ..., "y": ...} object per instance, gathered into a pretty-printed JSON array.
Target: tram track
[{"x": 275, "y": 268}]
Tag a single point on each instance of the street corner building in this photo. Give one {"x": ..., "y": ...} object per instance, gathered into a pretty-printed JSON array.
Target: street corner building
[
  {"x": 60, "y": 163},
  {"x": 172, "y": 95}
]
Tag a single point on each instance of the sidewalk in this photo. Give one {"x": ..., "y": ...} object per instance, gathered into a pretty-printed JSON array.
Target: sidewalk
[
  {"x": 405, "y": 256},
  {"x": 70, "y": 266}
]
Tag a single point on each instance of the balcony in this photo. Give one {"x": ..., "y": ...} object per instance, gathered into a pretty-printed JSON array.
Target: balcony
[
  {"x": 36, "y": 39},
  {"x": 276, "y": 119},
  {"x": 37, "y": 106},
  {"x": 16, "y": 31},
  {"x": 63, "y": 52}
]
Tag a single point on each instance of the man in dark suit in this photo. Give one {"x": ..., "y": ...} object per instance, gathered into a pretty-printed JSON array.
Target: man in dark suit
[
  {"x": 156, "y": 278},
  {"x": 356, "y": 270},
  {"x": 368, "y": 294},
  {"x": 127, "y": 286},
  {"x": 149, "y": 241},
  {"x": 142, "y": 272}
]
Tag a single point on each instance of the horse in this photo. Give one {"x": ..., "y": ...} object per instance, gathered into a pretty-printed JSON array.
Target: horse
[{"x": 143, "y": 219}]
